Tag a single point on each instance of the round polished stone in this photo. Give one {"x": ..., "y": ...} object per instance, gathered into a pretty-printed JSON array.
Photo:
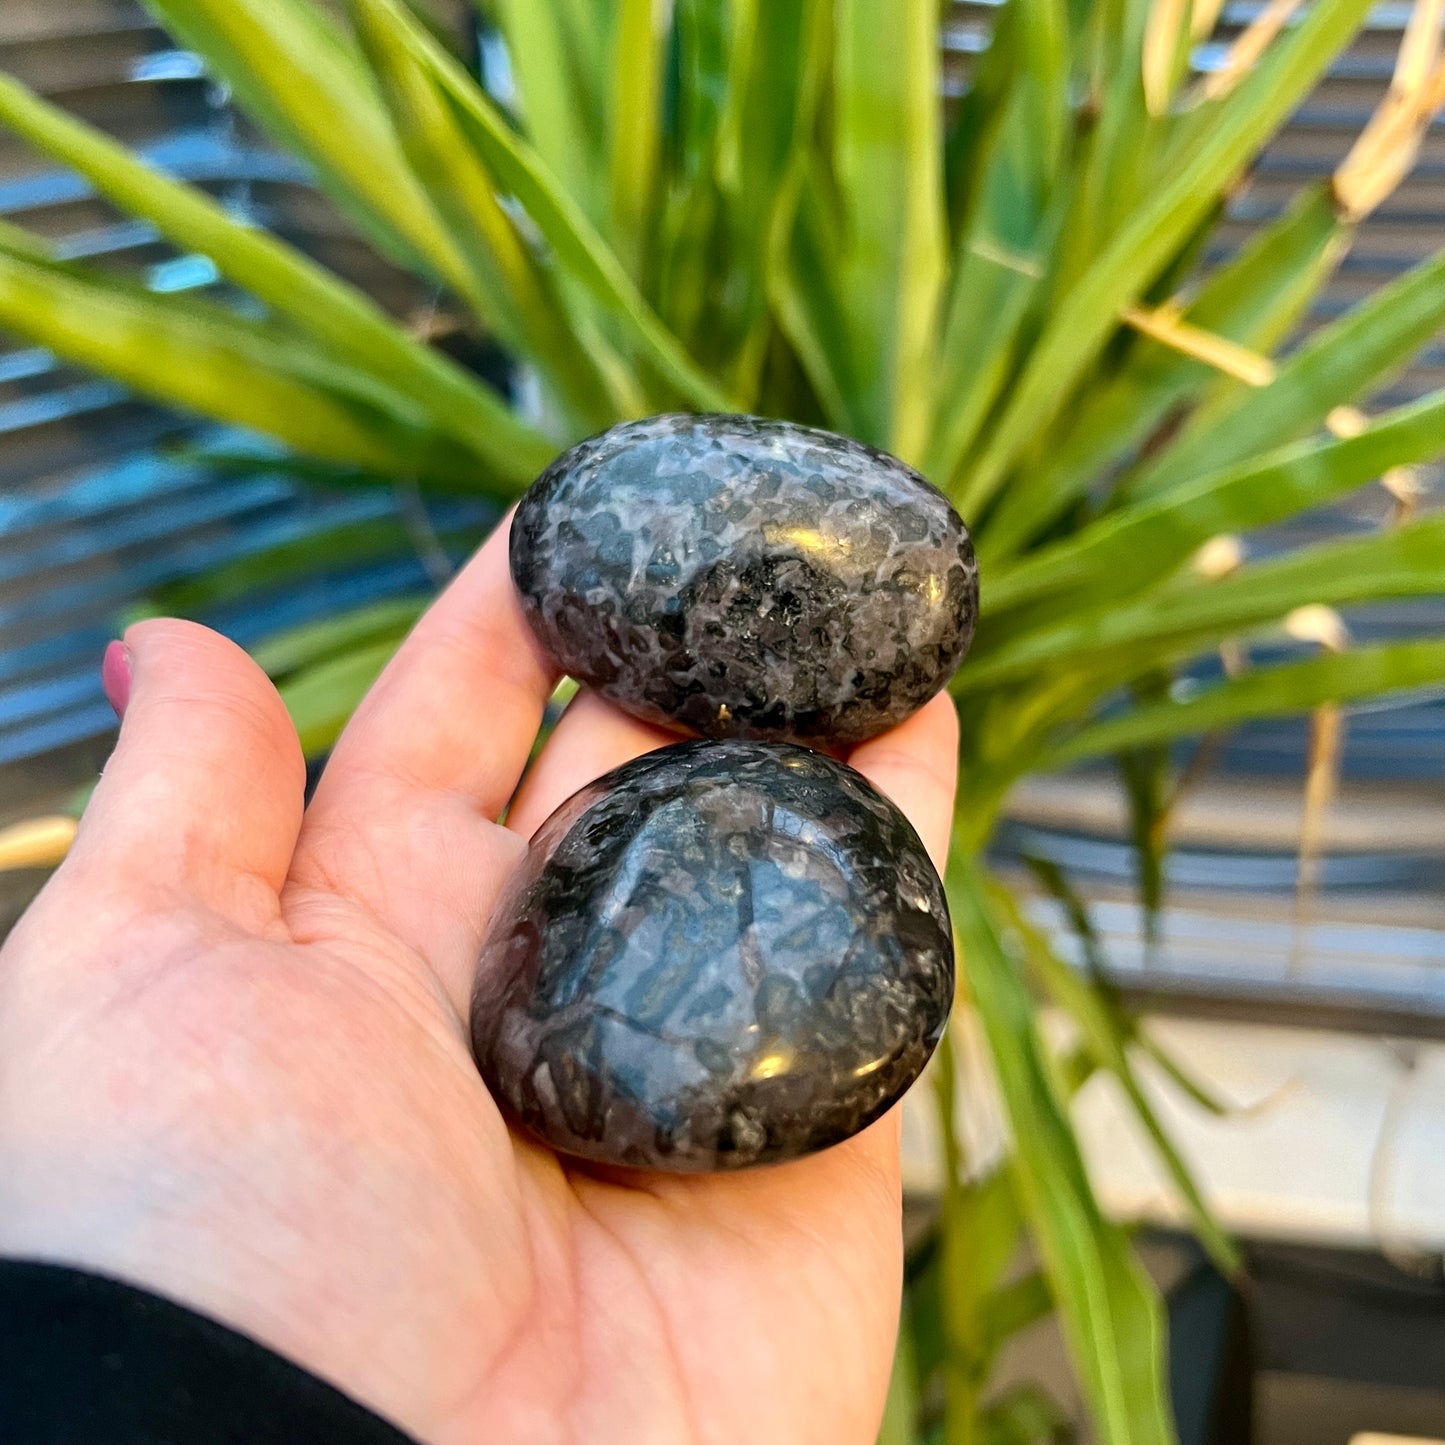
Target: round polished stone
[
  {"x": 744, "y": 577},
  {"x": 721, "y": 954}
]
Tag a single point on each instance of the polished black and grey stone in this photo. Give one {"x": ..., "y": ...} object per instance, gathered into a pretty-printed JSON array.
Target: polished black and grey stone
[
  {"x": 721, "y": 954},
  {"x": 745, "y": 577}
]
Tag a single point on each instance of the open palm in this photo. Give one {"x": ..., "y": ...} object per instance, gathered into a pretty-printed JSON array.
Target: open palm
[{"x": 234, "y": 1069}]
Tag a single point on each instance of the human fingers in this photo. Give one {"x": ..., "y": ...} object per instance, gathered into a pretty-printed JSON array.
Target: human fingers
[
  {"x": 403, "y": 820},
  {"x": 203, "y": 793}
]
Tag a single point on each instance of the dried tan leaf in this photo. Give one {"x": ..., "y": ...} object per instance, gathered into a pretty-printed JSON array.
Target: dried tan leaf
[
  {"x": 1248, "y": 46},
  {"x": 1419, "y": 48},
  {"x": 1165, "y": 325},
  {"x": 1218, "y": 557},
  {"x": 1204, "y": 17},
  {"x": 1402, "y": 483},
  {"x": 1346, "y": 421},
  {"x": 1233, "y": 658},
  {"x": 36, "y": 843},
  {"x": 1387, "y": 148},
  {"x": 1319, "y": 624},
  {"x": 1405, "y": 486},
  {"x": 1161, "y": 44},
  {"x": 1322, "y": 772}
]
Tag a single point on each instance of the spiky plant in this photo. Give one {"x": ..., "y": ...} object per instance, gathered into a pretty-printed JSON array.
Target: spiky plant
[{"x": 738, "y": 205}]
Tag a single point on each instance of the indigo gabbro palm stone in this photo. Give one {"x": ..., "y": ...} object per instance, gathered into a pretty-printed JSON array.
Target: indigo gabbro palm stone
[
  {"x": 744, "y": 577},
  {"x": 721, "y": 954}
]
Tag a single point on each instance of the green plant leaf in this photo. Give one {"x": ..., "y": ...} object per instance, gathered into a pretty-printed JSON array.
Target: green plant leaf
[
  {"x": 322, "y": 698},
  {"x": 1056, "y": 883},
  {"x": 1111, "y": 1315},
  {"x": 1146, "y": 776},
  {"x": 976, "y": 118},
  {"x": 559, "y": 52},
  {"x": 1129, "y": 1027},
  {"x": 1179, "y": 1076},
  {"x": 311, "y": 298},
  {"x": 1169, "y": 623},
  {"x": 1127, "y": 549},
  {"x": 683, "y": 277},
  {"x": 222, "y": 365},
  {"x": 1014, "y": 1307},
  {"x": 707, "y": 37},
  {"x": 314, "y": 642},
  {"x": 777, "y": 68},
  {"x": 577, "y": 247},
  {"x": 1088, "y": 313},
  {"x": 299, "y": 74},
  {"x": 638, "y": 64},
  {"x": 25, "y": 245},
  {"x": 1254, "y": 300},
  {"x": 900, "y": 1412},
  {"x": 886, "y": 158},
  {"x": 980, "y": 1228},
  {"x": 811, "y": 307},
  {"x": 339, "y": 546},
  {"x": 977, "y": 1234},
  {"x": 1025, "y": 1415},
  {"x": 1282, "y": 691},
  {"x": 1106, "y": 1035},
  {"x": 999, "y": 263},
  {"x": 1115, "y": 151},
  {"x": 509, "y": 288},
  {"x": 1341, "y": 363}
]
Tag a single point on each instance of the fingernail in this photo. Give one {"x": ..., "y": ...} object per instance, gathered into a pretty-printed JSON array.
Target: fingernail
[{"x": 115, "y": 676}]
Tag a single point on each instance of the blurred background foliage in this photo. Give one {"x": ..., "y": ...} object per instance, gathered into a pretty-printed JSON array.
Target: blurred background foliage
[{"x": 733, "y": 205}]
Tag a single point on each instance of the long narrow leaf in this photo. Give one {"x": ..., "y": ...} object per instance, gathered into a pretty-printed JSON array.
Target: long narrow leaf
[
  {"x": 1016, "y": 1306},
  {"x": 1146, "y": 774},
  {"x": 315, "y": 642},
  {"x": 322, "y": 698},
  {"x": 887, "y": 150},
  {"x": 1339, "y": 365},
  {"x": 999, "y": 263},
  {"x": 1025, "y": 1415},
  {"x": 276, "y": 347},
  {"x": 1126, "y": 549},
  {"x": 683, "y": 279},
  {"x": 1402, "y": 563},
  {"x": 222, "y": 367},
  {"x": 812, "y": 307},
  {"x": 508, "y": 286},
  {"x": 294, "y": 286},
  {"x": 1157, "y": 228},
  {"x": 1106, "y": 1038},
  {"x": 350, "y": 543},
  {"x": 1111, "y": 1316},
  {"x": 638, "y": 64},
  {"x": 1116, "y": 153},
  {"x": 1281, "y": 691},
  {"x": 303, "y": 79},
  {"x": 559, "y": 60},
  {"x": 777, "y": 72},
  {"x": 900, "y": 1411},
  {"x": 1253, "y": 300},
  {"x": 577, "y": 246}
]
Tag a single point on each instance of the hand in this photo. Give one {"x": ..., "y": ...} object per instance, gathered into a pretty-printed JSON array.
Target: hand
[{"x": 234, "y": 1070}]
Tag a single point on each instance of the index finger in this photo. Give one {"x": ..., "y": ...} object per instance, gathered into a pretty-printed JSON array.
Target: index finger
[{"x": 458, "y": 707}]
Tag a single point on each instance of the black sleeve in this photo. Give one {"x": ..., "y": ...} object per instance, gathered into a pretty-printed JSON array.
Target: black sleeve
[{"x": 85, "y": 1359}]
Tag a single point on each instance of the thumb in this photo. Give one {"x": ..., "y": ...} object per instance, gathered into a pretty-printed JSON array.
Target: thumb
[{"x": 204, "y": 792}]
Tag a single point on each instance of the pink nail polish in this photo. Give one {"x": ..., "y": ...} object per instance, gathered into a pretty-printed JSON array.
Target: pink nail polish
[{"x": 115, "y": 676}]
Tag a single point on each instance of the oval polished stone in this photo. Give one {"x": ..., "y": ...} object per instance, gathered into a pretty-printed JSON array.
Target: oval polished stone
[
  {"x": 744, "y": 577},
  {"x": 721, "y": 954}
]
